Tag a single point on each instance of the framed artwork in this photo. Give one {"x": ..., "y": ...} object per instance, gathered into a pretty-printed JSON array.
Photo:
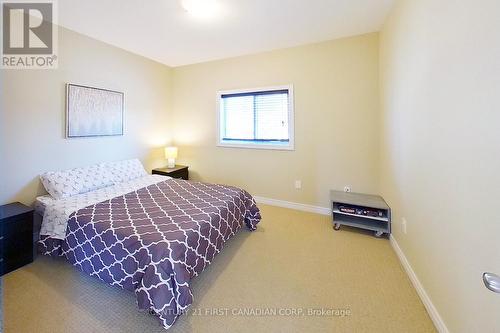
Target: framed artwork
[{"x": 93, "y": 112}]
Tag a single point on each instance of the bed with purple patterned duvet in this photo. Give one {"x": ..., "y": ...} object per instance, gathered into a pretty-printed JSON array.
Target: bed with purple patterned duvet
[{"x": 155, "y": 239}]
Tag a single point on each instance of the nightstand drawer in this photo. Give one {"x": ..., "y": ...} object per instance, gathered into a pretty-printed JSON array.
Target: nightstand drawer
[
  {"x": 14, "y": 225},
  {"x": 21, "y": 242},
  {"x": 15, "y": 251},
  {"x": 16, "y": 236},
  {"x": 8, "y": 265},
  {"x": 179, "y": 172}
]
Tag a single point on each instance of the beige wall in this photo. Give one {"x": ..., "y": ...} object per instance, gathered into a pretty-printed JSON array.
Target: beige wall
[
  {"x": 336, "y": 120},
  {"x": 440, "y": 75},
  {"x": 32, "y": 120}
]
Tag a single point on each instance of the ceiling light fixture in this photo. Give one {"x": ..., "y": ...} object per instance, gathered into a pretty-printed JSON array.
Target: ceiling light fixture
[{"x": 200, "y": 8}]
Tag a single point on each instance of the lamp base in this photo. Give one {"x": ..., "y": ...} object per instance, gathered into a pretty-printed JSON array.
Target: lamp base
[{"x": 171, "y": 163}]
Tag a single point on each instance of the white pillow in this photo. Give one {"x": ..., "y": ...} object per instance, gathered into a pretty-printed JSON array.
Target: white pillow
[
  {"x": 63, "y": 184},
  {"x": 123, "y": 171}
]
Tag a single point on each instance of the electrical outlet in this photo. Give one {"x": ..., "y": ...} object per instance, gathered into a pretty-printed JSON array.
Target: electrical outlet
[
  {"x": 298, "y": 184},
  {"x": 347, "y": 188},
  {"x": 403, "y": 225}
]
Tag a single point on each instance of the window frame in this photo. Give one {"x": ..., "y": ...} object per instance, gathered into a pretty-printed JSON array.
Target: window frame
[{"x": 267, "y": 146}]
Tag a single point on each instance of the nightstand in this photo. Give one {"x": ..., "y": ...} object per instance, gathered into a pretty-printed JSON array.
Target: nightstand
[
  {"x": 180, "y": 171},
  {"x": 16, "y": 237}
]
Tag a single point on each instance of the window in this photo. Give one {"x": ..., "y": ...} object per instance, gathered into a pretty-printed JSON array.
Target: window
[{"x": 256, "y": 118}]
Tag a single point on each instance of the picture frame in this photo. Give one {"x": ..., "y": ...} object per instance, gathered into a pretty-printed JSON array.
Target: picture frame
[{"x": 93, "y": 112}]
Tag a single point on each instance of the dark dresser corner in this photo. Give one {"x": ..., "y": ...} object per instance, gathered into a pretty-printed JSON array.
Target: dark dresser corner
[
  {"x": 16, "y": 236},
  {"x": 179, "y": 172}
]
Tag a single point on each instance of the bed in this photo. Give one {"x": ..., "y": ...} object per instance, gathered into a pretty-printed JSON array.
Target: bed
[{"x": 149, "y": 234}]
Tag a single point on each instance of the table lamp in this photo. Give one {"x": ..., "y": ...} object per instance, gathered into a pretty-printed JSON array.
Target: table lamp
[{"x": 170, "y": 155}]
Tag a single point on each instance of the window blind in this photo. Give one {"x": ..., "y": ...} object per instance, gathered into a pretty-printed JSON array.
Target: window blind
[{"x": 261, "y": 116}]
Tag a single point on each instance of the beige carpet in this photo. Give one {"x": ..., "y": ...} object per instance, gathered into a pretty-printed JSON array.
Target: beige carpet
[{"x": 293, "y": 262}]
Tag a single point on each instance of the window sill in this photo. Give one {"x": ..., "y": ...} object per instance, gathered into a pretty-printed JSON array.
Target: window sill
[{"x": 264, "y": 146}]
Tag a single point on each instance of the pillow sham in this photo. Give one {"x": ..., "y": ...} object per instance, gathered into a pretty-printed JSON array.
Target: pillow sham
[
  {"x": 123, "y": 171},
  {"x": 66, "y": 183}
]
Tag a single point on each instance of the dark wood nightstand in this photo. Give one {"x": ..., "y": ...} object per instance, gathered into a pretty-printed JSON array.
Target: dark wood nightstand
[
  {"x": 16, "y": 237},
  {"x": 180, "y": 171}
]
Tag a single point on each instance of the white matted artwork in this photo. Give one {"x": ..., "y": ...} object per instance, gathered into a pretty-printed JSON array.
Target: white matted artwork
[{"x": 93, "y": 112}]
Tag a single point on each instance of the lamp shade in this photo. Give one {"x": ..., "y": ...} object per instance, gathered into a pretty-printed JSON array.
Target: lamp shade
[{"x": 170, "y": 152}]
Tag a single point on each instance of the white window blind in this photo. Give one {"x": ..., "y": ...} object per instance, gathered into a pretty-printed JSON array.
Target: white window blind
[{"x": 259, "y": 118}]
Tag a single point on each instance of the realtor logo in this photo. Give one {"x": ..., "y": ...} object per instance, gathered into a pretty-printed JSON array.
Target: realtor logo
[{"x": 29, "y": 38}]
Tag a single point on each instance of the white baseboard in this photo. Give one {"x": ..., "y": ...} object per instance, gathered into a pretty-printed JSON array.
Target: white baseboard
[
  {"x": 431, "y": 309},
  {"x": 293, "y": 205}
]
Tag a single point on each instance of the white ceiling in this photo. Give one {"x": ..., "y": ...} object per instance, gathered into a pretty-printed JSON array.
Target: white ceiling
[{"x": 162, "y": 30}]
